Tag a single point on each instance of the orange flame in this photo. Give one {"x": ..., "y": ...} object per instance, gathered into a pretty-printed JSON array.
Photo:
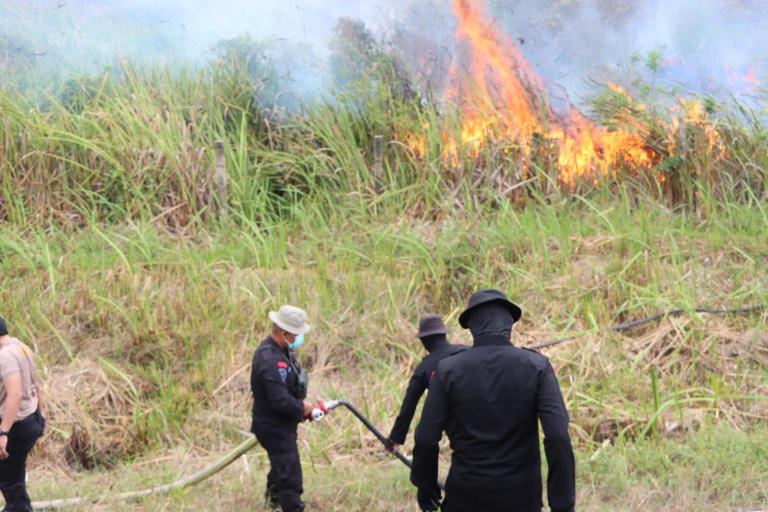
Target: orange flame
[{"x": 507, "y": 103}]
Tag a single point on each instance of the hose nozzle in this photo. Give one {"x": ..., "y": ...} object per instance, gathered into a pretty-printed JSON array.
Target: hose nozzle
[{"x": 322, "y": 408}]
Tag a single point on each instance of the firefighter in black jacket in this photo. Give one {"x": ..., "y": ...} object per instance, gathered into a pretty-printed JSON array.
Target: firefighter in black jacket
[
  {"x": 432, "y": 334},
  {"x": 279, "y": 387},
  {"x": 489, "y": 400}
]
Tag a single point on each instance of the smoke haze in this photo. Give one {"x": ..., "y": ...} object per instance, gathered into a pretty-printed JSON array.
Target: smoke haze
[{"x": 704, "y": 46}]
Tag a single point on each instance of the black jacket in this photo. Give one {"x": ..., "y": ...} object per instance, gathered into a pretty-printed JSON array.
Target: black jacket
[
  {"x": 416, "y": 386},
  {"x": 277, "y": 400},
  {"x": 488, "y": 399}
]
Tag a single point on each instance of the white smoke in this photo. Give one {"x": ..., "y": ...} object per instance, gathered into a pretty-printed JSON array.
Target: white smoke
[{"x": 706, "y": 46}]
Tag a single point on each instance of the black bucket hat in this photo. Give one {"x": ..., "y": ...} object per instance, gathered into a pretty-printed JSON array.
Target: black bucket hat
[
  {"x": 431, "y": 324},
  {"x": 484, "y": 297}
]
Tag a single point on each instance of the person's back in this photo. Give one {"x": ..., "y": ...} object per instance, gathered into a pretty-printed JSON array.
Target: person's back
[
  {"x": 489, "y": 400},
  {"x": 433, "y": 336},
  {"x": 497, "y": 393}
]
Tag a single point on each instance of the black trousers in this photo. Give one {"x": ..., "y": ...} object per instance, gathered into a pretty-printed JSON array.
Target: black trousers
[
  {"x": 454, "y": 503},
  {"x": 466, "y": 494},
  {"x": 284, "y": 481},
  {"x": 13, "y": 470}
]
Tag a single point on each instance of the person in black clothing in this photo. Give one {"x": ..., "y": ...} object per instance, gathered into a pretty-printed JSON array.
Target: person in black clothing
[
  {"x": 489, "y": 400},
  {"x": 279, "y": 387},
  {"x": 432, "y": 334}
]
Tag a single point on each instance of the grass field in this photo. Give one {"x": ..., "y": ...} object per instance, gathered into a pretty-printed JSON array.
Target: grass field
[
  {"x": 144, "y": 289},
  {"x": 146, "y": 338}
]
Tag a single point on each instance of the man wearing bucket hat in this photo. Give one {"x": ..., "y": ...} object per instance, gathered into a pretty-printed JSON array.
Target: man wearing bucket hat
[
  {"x": 279, "y": 387},
  {"x": 489, "y": 400},
  {"x": 432, "y": 333}
]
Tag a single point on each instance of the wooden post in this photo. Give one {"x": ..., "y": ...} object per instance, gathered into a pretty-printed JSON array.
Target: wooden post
[
  {"x": 220, "y": 177},
  {"x": 378, "y": 162}
]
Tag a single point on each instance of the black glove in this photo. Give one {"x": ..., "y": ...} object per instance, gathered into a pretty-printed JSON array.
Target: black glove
[
  {"x": 389, "y": 444},
  {"x": 429, "y": 499}
]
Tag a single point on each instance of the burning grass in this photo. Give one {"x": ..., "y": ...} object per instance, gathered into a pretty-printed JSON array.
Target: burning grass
[
  {"x": 96, "y": 157},
  {"x": 504, "y": 102},
  {"x": 504, "y": 118}
]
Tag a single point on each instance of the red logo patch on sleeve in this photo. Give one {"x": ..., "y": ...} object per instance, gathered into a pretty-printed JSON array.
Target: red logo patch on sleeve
[
  {"x": 282, "y": 364},
  {"x": 434, "y": 372}
]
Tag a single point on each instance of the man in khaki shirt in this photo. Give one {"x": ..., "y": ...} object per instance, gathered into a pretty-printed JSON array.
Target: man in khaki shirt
[{"x": 21, "y": 420}]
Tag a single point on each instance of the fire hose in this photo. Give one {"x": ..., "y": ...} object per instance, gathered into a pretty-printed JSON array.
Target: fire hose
[
  {"x": 370, "y": 426},
  {"x": 637, "y": 323},
  {"x": 323, "y": 407},
  {"x": 317, "y": 414}
]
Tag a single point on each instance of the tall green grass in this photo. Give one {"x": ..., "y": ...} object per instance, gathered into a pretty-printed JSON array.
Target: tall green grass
[
  {"x": 145, "y": 299},
  {"x": 137, "y": 144},
  {"x": 178, "y": 314}
]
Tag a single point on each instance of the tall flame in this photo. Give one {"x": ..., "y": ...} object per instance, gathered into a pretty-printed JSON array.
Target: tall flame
[{"x": 506, "y": 101}]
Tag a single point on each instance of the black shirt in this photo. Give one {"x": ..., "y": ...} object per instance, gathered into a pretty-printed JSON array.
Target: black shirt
[
  {"x": 275, "y": 387},
  {"x": 488, "y": 399},
  {"x": 416, "y": 386}
]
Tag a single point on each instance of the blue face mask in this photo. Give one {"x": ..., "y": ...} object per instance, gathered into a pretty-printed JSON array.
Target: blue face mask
[{"x": 297, "y": 342}]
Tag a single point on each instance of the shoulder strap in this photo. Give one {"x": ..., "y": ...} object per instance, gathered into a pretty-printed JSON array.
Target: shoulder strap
[{"x": 294, "y": 363}]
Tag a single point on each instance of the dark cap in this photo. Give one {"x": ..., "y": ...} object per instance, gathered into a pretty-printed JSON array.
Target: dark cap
[
  {"x": 431, "y": 324},
  {"x": 484, "y": 297},
  {"x": 3, "y": 327}
]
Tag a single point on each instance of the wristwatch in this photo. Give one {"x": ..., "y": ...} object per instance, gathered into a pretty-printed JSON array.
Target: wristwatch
[{"x": 4, "y": 433}]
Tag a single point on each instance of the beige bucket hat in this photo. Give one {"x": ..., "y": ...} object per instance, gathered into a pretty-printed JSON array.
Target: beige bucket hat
[{"x": 291, "y": 319}]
